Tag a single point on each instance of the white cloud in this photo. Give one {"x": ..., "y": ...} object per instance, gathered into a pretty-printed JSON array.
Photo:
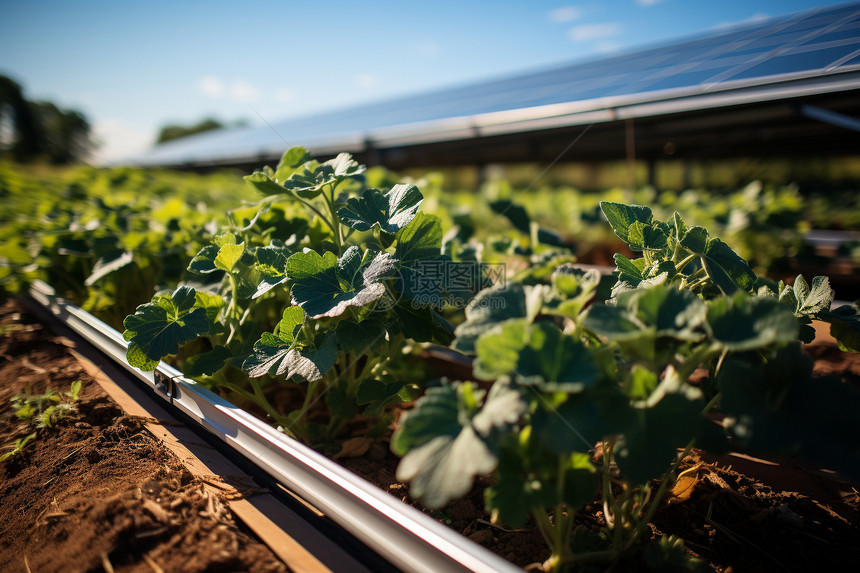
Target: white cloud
[
  {"x": 244, "y": 92},
  {"x": 238, "y": 91},
  {"x": 211, "y": 86},
  {"x": 588, "y": 32},
  {"x": 648, "y": 3},
  {"x": 118, "y": 140},
  {"x": 366, "y": 80},
  {"x": 565, "y": 14}
]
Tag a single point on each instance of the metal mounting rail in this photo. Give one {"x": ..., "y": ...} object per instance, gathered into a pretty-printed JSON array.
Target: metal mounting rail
[{"x": 407, "y": 538}]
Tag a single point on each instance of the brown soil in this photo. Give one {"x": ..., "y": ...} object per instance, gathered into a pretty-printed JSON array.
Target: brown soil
[
  {"x": 97, "y": 492},
  {"x": 741, "y": 514}
]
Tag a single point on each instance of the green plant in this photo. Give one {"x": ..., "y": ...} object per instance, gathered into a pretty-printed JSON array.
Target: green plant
[
  {"x": 598, "y": 397},
  {"x": 319, "y": 304},
  {"x": 42, "y": 411}
]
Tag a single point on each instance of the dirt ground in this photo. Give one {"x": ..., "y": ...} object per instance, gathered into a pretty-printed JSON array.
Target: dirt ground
[{"x": 97, "y": 492}]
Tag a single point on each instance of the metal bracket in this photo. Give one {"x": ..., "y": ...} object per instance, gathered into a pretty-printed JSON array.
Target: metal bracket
[{"x": 165, "y": 385}]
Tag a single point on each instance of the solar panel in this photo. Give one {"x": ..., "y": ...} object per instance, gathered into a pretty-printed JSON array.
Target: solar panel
[{"x": 819, "y": 42}]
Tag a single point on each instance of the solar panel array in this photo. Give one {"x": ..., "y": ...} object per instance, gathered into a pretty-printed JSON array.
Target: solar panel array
[{"x": 815, "y": 43}]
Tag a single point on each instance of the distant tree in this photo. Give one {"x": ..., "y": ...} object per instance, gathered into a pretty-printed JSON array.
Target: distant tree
[
  {"x": 171, "y": 132},
  {"x": 19, "y": 134},
  {"x": 33, "y": 130},
  {"x": 65, "y": 133}
]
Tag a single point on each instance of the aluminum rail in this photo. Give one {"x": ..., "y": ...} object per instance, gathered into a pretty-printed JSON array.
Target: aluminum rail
[{"x": 407, "y": 538}]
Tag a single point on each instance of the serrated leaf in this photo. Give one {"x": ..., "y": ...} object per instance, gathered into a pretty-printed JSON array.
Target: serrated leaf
[
  {"x": 726, "y": 268},
  {"x": 361, "y": 337},
  {"x": 422, "y": 323},
  {"x": 292, "y": 319},
  {"x": 621, "y": 217},
  {"x": 630, "y": 271},
  {"x": 271, "y": 266},
  {"x": 208, "y": 363},
  {"x": 264, "y": 183},
  {"x": 845, "y": 326},
  {"x": 490, "y": 307},
  {"x": 420, "y": 239},
  {"x": 814, "y": 299},
  {"x": 646, "y": 237},
  {"x": 204, "y": 261},
  {"x": 390, "y": 212},
  {"x": 156, "y": 329},
  {"x": 581, "y": 420},
  {"x": 444, "y": 440},
  {"x": 555, "y": 362},
  {"x": 745, "y": 323},
  {"x": 696, "y": 240},
  {"x": 292, "y": 363},
  {"x": 324, "y": 288},
  {"x": 290, "y": 161},
  {"x": 498, "y": 349},
  {"x": 210, "y": 302},
  {"x": 228, "y": 255},
  {"x": 310, "y": 179}
]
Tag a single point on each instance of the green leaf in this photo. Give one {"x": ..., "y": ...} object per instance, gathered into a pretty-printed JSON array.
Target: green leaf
[
  {"x": 271, "y": 266},
  {"x": 263, "y": 181},
  {"x": 490, "y": 307},
  {"x": 420, "y": 239},
  {"x": 311, "y": 178},
  {"x": 630, "y": 271},
  {"x": 621, "y": 217},
  {"x": 324, "y": 286},
  {"x": 204, "y": 261},
  {"x": 377, "y": 394},
  {"x": 646, "y": 237},
  {"x": 228, "y": 255},
  {"x": 292, "y": 363},
  {"x": 390, "y": 212},
  {"x": 211, "y": 303},
  {"x": 528, "y": 482},
  {"x": 648, "y": 447},
  {"x": 745, "y": 323},
  {"x": 812, "y": 300},
  {"x": 581, "y": 420},
  {"x": 290, "y": 161},
  {"x": 498, "y": 349},
  {"x": 696, "y": 240},
  {"x": 156, "y": 329},
  {"x": 555, "y": 362},
  {"x": 291, "y": 321},
  {"x": 422, "y": 323},
  {"x": 726, "y": 268},
  {"x": 845, "y": 326},
  {"x": 444, "y": 439},
  {"x": 208, "y": 363},
  {"x": 516, "y": 214},
  {"x": 361, "y": 337}
]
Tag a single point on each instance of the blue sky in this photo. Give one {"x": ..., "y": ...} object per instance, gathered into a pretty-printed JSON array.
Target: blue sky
[{"x": 132, "y": 67}]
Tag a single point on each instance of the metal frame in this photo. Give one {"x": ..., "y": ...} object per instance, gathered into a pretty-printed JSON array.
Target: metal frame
[{"x": 407, "y": 538}]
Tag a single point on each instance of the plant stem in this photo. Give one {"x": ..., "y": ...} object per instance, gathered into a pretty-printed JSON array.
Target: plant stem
[{"x": 335, "y": 221}]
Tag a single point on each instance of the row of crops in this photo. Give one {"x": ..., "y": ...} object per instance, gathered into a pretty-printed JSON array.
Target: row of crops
[{"x": 304, "y": 292}]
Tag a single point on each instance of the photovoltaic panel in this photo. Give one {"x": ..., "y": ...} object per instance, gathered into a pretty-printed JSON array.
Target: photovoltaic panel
[{"x": 817, "y": 43}]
